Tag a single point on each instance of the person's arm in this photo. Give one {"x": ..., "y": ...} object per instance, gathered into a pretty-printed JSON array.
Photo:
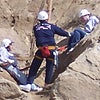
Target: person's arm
[
  {"x": 59, "y": 31},
  {"x": 89, "y": 27},
  {"x": 4, "y": 57}
]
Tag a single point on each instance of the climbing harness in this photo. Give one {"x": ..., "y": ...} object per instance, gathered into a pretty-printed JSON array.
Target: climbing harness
[{"x": 55, "y": 53}]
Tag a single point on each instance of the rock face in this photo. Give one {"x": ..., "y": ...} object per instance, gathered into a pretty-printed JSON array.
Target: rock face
[
  {"x": 10, "y": 91},
  {"x": 77, "y": 86},
  {"x": 79, "y": 71}
]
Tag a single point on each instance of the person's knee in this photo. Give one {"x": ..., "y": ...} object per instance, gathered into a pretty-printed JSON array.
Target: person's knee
[{"x": 78, "y": 29}]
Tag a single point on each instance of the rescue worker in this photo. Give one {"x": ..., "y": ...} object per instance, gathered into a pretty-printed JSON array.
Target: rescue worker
[
  {"x": 9, "y": 63},
  {"x": 44, "y": 33},
  {"x": 90, "y": 22}
]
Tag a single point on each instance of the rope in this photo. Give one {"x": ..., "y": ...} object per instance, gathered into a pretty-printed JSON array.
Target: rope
[{"x": 50, "y": 9}]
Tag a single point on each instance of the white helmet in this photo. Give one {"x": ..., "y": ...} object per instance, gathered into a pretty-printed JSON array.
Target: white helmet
[
  {"x": 43, "y": 15},
  {"x": 6, "y": 42},
  {"x": 83, "y": 13}
]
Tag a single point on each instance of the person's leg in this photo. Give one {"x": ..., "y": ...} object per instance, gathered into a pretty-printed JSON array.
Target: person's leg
[
  {"x": 49, "y": 68},
  {"x": 34, "y": 67},
  {"x": 82, "y": 32},
  {"x": 32, "y": 74},
  {"x": 17, "y": 74},
  {"x": 73, "y": 40}
]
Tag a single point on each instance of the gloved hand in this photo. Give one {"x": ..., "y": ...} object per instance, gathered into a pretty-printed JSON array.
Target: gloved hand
[
  {"x": 10, "y": 61},
  {"x": 69, "y": 34},
  {"x": 87, "y": 34}
]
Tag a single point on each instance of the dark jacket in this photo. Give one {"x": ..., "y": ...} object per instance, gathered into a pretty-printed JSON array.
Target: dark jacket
[{"x": 44, "y": 33}]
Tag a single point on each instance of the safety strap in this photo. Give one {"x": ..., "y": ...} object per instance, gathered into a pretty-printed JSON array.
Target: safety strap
[
  {"x": 62, "y": 48},
  {"x": 55, "y": 57},
  {"x": 38, "y": 57},
  {"x": 49, "y": 47},
  {"x": 50, "y": 59}
]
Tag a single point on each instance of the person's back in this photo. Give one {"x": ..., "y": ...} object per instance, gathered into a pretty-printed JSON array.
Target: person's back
[{"x": 43, "y": 34}]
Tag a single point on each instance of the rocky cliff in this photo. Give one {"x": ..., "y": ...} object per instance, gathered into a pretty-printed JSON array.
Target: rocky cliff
[{"x": 78, "y": 75}]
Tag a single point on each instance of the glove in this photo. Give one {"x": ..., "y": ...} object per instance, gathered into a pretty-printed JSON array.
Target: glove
[
  {"x": 10, "y": 61},
  {"x": 87, "y": 34},
  {"x": 69, "y": 34}
]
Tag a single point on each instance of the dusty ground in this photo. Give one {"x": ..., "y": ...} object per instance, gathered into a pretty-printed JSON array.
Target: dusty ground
[{"x": 34, "y": 96}]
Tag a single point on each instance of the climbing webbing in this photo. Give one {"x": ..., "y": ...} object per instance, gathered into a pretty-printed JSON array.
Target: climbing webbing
[{"x": 62, "y": 48}]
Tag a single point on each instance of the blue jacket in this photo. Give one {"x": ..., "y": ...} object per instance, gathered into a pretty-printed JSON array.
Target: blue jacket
[{"x": 44, "y": 33}]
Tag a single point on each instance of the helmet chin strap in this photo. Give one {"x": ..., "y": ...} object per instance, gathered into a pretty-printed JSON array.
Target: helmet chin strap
[
  {"x": 88, "y": 17},
  {"x": 8, "y": 48}
]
